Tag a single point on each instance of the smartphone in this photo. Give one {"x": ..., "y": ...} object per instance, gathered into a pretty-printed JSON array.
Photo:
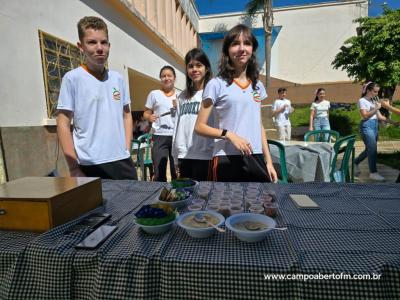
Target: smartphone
[
  {"x": 96, "y": 238},
  {"x": 92, "y": 221},
  {"x": 303, "y": 201}
]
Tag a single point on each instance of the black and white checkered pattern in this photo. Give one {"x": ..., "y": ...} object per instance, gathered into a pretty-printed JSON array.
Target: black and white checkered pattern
[{"x": 355, "y": 231}]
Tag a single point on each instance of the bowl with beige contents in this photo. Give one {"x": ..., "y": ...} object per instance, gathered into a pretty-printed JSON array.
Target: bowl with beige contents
[{"x": 201, "y": 224}]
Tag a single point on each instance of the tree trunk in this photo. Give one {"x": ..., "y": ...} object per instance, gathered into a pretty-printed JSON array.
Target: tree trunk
[{"x": 268, "y": 20}]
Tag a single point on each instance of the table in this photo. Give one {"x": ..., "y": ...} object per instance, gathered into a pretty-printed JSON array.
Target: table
[
  {"x": 356, "y": 231},
  {"x": 305, "y": 161}
]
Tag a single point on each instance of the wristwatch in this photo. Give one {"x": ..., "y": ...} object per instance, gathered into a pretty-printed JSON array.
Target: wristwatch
[{"x": 223, "y": 134}]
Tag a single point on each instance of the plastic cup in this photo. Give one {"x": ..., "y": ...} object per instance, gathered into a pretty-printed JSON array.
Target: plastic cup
[
  {"x": 235, "y": 210},
  {"x": 198, "y": 201},
  {"x": 271, "y": 209},
  {"x": 214, "y": 207},
  {"x": 224, "y": 210},
  {"x": 256, "y": 209},
  {"x": 195, "y": 207}
]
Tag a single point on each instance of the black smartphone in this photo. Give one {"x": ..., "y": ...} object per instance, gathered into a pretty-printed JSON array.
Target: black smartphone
[
  {"x": 92, "y": 222},
  {"x": 96, "y": 238}
]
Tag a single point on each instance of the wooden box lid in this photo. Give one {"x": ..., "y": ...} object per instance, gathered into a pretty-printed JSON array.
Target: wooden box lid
[{"x": 41, "y": 203}]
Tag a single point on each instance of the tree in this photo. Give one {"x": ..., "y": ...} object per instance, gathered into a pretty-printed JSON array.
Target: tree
[
  {"x": 252, "y": 9},
  {"x": 374, "y": 54}
]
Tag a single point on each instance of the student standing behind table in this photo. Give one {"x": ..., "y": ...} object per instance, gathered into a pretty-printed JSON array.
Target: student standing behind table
[
  {"x": 192, "y": 151},
  {"x": 281, "y": 110},
  {"x": 236, "y": 95},
  {"x": 369, "y": 111},
  {"x": 395, "y": 110},
  {"x": 98, "y": 101},
  {"x": 319, "y": 115},
  {"x": 160, "y": 102}
]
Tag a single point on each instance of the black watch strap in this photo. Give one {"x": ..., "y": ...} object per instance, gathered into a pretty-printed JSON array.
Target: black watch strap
[{"x": 223, "y": 134}]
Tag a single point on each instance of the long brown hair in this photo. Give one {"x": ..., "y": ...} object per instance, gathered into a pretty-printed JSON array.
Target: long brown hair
[{"x": 226, "y": 69}]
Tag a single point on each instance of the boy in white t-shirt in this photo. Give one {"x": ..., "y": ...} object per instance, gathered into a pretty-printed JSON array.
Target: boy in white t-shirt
[
  {"x": 98, "y": 101},
  {"x": 280, "y": 111}
]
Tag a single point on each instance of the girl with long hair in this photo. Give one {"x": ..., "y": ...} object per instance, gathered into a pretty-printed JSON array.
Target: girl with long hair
[
  {"x": 241, "y": 148},
  {"x": 191, "y": 151},
  {"x": 319, "y": 115},
  {"x": 369, "y": 111},
  {"x": 159, "y": 110}
]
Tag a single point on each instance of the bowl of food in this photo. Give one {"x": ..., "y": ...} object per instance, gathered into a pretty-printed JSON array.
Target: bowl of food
[
  {"x": 156, "y": 218},
  {"x": 175, "y": 197},
  {"x": 250, "y": 227},
  {"x": 184, "y": 183},
  {"x": 197, "y": 223}
]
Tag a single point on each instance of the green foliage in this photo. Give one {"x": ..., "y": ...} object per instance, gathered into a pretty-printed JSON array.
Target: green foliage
[
  {"x": 390, "y": 159},
  {"x": 346, "y": 122},
  {"x": 374, "y": 54}
]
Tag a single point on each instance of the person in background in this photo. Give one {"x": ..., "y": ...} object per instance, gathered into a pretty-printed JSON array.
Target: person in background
[
  {"x": 369, "y": 111},
  {"x": 97, "y": 99},
  {"x": 235, "y": 95},
  {"x": 280, "y": 111},
  {"x": 395, "y": 110},
  {"x": 319, "y": 115},
  {"x": 142, "y": 126},
  {"x": 192, "y": 151},
  {"x": 160, "y": 110}
]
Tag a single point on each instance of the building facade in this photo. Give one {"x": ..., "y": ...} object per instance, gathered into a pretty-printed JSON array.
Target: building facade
[{"x": 39, "y": 46}]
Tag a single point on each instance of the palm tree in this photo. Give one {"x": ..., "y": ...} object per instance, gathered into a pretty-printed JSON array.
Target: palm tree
[{"x": 252, "y": 7}]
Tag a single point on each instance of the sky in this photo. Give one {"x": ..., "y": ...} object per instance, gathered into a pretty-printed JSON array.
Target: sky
[{"x": 206, "y": 7}]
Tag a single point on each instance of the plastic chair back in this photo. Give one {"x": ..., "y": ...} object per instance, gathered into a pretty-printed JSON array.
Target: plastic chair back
[
  {"x": 143, "y": 154},
  {"x": 282, "y": 160},
  {"x": 321, "y": 135},
  {"x": 343, "y": 146}
]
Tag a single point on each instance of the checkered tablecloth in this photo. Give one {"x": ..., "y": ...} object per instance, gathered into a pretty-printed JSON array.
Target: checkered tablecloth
[{"x": 355, "y": 231}]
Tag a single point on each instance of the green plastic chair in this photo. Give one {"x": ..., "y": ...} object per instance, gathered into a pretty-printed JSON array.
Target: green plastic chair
[
  {"x": 143, "y": 155},
  {"x": 282, "y": 160},
  {"x": 321, "y": 135},
  {"x": 342, "y": 173}
]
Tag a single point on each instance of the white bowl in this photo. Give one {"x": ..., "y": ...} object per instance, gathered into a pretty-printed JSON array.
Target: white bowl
[
  {"x": 250, "y": 236},
  {"x": 177, "y": 204},
  {"x": 157, "y": 229},
  {"x": 200, "y": 232}
]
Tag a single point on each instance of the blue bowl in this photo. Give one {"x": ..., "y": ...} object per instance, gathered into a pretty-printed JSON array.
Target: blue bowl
[{"x": 247, "y": 235}]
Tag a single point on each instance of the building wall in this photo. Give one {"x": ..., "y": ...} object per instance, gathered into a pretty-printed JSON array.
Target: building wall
[
  {"x": 309, "y": 38},
  {"x": 22, "y": 92},
  {"x": 29, "y": 146}
]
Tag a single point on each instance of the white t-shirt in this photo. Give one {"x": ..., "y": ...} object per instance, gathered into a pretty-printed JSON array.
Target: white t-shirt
[
  {"x": 97, "y": 106},
  {"x": 159, "y": 103},
  {"x": 282, "y": 118},
  {"x": 364, "y": 103},
  {"x": 187, "y": 144},
  {"x": 321, "y": 109},
  {"x": 237, "y": 109}
]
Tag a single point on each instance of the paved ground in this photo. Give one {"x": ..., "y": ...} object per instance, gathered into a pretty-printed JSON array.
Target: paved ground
[{"x": 383, "y": 147}]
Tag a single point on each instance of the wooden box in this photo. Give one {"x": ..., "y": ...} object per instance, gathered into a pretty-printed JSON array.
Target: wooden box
[{"x": 41, "y": 203}]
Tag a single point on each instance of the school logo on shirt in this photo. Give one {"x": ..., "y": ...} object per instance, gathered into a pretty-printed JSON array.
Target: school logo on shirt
[
  {"x": 116, "y": 94},
  {"x": 256, "y": 96}
]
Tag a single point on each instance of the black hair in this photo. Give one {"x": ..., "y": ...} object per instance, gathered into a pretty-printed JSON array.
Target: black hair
[
  {"x": 226, "y": 69},
  {"x": 317, "y": 92},
  {"x": 168, "y": 68},
  {"x": 199, "y": 55},
  {"x": 281, "y": 90}
]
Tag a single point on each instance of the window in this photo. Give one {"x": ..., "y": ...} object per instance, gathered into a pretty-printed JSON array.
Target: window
[{"x": 58, "y": 57}]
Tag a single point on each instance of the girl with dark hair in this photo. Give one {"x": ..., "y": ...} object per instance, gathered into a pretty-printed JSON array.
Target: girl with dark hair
[
  {"x": 319, "y": 115},
  {"x": 369, "y": 111},
  {"x": 159, "y": 110},
  {"x": 235, "y": 95},
  {"x": 192, "y": 152}
]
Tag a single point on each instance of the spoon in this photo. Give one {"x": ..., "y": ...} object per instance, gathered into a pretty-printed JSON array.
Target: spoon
[
  {"x": 252, "y": 227},
  {"x": 201, "y": 219}
]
